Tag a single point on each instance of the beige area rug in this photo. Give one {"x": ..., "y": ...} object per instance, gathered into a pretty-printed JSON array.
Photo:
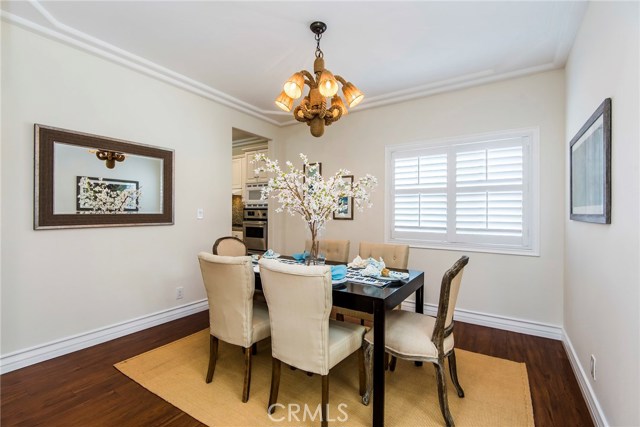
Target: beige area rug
[{"x": 496, "y": 390}]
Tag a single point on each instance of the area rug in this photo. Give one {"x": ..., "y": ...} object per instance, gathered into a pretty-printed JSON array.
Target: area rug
[{"x": 496, "y": 390}]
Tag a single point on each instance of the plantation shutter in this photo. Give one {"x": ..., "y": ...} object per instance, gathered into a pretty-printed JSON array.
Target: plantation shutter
[{"x": 473, "y": 192}]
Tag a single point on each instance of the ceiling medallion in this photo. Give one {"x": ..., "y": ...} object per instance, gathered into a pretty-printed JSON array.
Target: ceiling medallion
[{"x": 322, "y": 85}]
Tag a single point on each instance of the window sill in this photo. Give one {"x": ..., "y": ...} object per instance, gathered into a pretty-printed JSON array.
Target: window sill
[{"x": 466, "y": 247}]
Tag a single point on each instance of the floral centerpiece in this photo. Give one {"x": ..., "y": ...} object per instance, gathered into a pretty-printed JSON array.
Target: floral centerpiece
[
  {"x": 310, "y": 195},
  {"x": 104, "y": 198}
]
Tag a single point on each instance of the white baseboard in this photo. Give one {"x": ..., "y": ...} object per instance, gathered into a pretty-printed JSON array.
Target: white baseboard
[
  {"x": 499, "y": 322},
  {"x": 585, "y": 385},
  {"x": 21, "y": 358}
]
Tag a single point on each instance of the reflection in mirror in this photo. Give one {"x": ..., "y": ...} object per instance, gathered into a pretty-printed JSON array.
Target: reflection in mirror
[
  {"x": 84, "y": 180},
  {"x": 72, "y": 163}
]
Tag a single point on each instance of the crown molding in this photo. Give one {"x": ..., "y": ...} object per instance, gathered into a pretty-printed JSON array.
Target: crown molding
[
  {"x": 88, "y": 43},
  {"x": 78, "y": 39}
]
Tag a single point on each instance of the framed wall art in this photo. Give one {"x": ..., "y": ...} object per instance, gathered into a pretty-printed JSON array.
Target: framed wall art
[
  {"x": 312, "y": 170},
  {"x": 590, "y": 163},
  {"x": 346, "y": 203}
]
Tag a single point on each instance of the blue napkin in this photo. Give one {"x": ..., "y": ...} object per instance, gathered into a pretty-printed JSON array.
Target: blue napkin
[
  {"x": 299, "y": 256},
  {"x": 338, "y": 272}
]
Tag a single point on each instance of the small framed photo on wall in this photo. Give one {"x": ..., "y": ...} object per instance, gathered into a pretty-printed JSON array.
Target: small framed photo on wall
[
  {"x": 345, "y": 211},
  {"x": 313, "y": 169}
]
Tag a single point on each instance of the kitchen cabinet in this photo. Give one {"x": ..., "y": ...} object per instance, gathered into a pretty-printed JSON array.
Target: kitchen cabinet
[
  {"x": 237, "y": 181},
  {"x": 251, "y": 176},
  {"x": 237, "y": 234}
]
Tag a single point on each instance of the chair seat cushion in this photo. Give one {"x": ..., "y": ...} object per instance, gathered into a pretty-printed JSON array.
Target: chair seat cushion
[
  {"x": 261, "y": 325},
  {"x": 344, "y": 339},
  {"x": 408, "y": 335}
]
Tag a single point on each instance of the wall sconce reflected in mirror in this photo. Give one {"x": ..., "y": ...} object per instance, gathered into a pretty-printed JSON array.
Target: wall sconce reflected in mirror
[{"x": 110, "y": 157}]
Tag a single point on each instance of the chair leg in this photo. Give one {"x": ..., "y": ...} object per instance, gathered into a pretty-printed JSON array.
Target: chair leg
[
  {"x": 453, "y": 370},
  {"x": 247, "y": 375},
  {"x": 392, "y": 364},
  {"x": 368, "y": 362},
  {"x": 362, "y": 376},
  {"x": 325, "y": 400},
  {"x": 275, "y": 385},
  {"x": 442, "y": 393},
  {"x": 213, "y": 355}
]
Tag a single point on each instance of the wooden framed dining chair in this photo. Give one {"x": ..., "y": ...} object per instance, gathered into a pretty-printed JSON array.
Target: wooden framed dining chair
[
  {"x": 302, "y": 335},
  {"x": 422, "y": 338},
  {"x": 334, "y": 250},
  {"x": 229, "y": 246},
  {"x": 234, "y": 317},
  {"x": 394, "y": 256}
]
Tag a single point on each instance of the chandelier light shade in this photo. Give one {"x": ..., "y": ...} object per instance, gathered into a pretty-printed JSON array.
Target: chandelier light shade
[{"x": 322, "y": 84}]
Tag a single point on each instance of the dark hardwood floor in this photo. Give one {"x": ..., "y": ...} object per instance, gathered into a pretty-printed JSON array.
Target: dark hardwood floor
[{"x": 84, "y": 389}]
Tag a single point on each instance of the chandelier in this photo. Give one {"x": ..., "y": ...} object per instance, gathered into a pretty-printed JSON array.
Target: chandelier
[
  {"x": 322, "y": 85},
  {"x": 110, "y": 157}
]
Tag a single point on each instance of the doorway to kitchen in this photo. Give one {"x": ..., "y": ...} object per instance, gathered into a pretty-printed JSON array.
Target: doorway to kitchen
[{"x": 246, "y": 206}]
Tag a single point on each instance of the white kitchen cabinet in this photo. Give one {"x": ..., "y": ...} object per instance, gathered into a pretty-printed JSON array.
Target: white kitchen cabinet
[
  {"x": 237, "y": 234},
  {"x": 251, "y": 176},
  {"x": 237, "y": 182}
]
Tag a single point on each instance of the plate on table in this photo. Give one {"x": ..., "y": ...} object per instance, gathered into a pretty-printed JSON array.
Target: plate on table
[
  {"x": 272, "y": 256},
  {"x": 339, "y": 281}
]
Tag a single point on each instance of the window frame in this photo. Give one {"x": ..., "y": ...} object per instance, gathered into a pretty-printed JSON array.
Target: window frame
[{"x": 530, "y": 187}]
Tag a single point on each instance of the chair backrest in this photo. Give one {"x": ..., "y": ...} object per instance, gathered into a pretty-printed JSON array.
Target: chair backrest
[
  {"x": 394, "y": 256},
  {"x": 299, "y": 300},
  {"x": 334, "y": 250},
  {"x": 448, "y": 296},
  {"x": 230, "y": 285},
  {"x": 229, "y": 246}
]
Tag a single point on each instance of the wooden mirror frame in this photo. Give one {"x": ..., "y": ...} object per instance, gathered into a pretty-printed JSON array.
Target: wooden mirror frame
[{"x": 43, "y": 212}]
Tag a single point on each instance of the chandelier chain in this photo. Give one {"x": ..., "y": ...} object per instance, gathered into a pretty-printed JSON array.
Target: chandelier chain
[{"x": 319, "y": 53}]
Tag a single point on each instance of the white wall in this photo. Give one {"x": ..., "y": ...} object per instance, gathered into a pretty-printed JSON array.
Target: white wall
[
  {"x": 602, "y": 284},
  {"x": 520, "y": 287},
  {"x": 58, "y": 283}
]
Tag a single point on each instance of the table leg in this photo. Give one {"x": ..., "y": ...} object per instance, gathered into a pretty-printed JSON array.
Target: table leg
[
  {"x": 378, "y": 363},
  {"x": 420, "y": 306}
]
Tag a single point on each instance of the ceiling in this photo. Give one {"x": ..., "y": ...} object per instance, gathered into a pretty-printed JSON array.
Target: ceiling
[{"x": 240, "y": 53}]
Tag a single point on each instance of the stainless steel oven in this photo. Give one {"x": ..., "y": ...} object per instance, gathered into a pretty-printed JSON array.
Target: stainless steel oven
[{"x": 254, "y": 228}]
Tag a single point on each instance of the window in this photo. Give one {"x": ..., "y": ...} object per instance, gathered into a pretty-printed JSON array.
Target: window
[{"x": 473, "y": 193}]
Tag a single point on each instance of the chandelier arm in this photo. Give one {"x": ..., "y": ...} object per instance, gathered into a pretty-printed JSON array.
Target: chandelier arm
[
  {"x": 309, "y": 76},
  {"x": 340, "y": 79}
]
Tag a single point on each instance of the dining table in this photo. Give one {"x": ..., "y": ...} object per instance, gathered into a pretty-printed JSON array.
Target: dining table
[{"x": 376, "y": 300}]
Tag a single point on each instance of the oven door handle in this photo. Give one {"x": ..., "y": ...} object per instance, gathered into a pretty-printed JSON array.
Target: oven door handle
[{"x": 254, "y": 223}]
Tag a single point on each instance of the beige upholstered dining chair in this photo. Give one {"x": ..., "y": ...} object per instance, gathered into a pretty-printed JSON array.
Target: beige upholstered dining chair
[
  {"x": 422, "y": 338},
  {"x": 234, "y": 317},
  {"x": 334, "y": 250},
  {"x": 302, "y": 335},
  {"x": 394, "y": 256},
  {"x": 229, "y": 246}
]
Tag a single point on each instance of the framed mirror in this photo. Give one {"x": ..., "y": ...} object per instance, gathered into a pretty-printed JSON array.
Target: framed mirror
[{"x": 84, "y": 180}]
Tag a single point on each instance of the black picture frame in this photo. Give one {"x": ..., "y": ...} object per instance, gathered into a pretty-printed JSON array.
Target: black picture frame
[
  {"x": 307, "y": 173},
  {"x": 113, "y": 184},
  {"x": 590, "y": 168},
  {"x": 346, "y": 204}
]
